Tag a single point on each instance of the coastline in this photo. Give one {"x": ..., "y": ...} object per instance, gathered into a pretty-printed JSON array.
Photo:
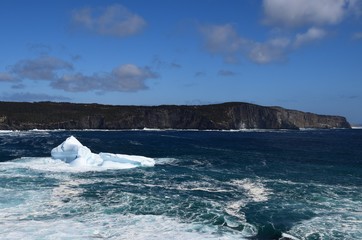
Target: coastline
[
  {"x": 180, "y": 130},
  {"x": 224, "y": 116}
]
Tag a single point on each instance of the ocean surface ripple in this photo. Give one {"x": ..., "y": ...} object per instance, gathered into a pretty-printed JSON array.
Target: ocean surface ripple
[{"x": 204, "y": 185}]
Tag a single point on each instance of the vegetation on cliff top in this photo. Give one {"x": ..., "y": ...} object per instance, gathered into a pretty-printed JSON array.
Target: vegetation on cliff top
[{"x": 232, "y": 115}]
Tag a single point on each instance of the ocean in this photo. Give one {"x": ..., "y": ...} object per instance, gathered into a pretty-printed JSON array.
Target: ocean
[{"x": 204, "y": 185}]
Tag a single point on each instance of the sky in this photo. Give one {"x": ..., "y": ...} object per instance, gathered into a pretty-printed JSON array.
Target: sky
[{"x": 297, "y": 54}]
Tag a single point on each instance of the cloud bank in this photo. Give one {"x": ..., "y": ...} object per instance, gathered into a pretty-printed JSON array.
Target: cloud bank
[
  {"x": 61, "y": 75},
  {"x": 357, "y": 36},
  {"x": 294, "y": 24},
  {"x": 124, "y": 78},
  {"x": 296, "y": 13},
  {"x": 114, "y": 20},
  {"x": 226, "y": 73},
  {"x": 41, "y": 68},
  {"x": 223, "y": 40}
]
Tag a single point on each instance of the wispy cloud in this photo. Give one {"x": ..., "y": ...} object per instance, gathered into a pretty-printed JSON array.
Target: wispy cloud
[
  {"x": 113, "y": 20},
  {"x": 76, "y": 57},
  {"x": 41, "y": 68},
  {"x": 7, "y": 77},
  {"x": 226, "y": 73},
  {"x": 297, "y": 13},
  {"x": 350, "y": 97},
  {"x": 357, "y": 36},
  {"x": 272, "y": 50},
  {"x": 39, "y": 48},
  {"x": 18, "y": 86},
  {"x": 124, "y": 78},
  {"x": 175, "y": 65},
  {"x": 200, "y": 74},
  {"x": 305, "y": 20},
  {"x": 32, "y": 97},
  {"x": 61, "y": 75},
  {"x": 158, "y": 63},
  {"x": 223, "y": 40},
  {"x": 311, "y": 35}
]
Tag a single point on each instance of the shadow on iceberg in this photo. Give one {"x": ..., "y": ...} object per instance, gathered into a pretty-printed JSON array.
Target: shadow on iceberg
[{"x": 73, "y": 152}]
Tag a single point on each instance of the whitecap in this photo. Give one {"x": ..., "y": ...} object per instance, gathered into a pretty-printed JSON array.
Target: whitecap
[
  {"x": 288, "y": 236},
  {"x": 234, "y": 209},
  {"x": 255, "y": 190},
  {"x": 166, "y": 161},
  {"x": 118, "y": 227}
]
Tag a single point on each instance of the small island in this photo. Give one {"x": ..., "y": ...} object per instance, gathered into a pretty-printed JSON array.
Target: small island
[{"x": 224, "y": 116}]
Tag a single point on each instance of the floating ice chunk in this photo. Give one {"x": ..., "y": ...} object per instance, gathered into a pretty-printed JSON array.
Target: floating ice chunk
[
  {"x": 73, "y": 152},
  {"x": 129, "y": 159},
  {"x": 70, "y": 149}
]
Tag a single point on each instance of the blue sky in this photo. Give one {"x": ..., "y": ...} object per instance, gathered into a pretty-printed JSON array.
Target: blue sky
[{"x": 298, "y": 54}]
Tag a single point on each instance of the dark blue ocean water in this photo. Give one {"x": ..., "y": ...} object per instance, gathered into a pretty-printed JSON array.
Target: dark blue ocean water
[{"x": 205, "y": 185}]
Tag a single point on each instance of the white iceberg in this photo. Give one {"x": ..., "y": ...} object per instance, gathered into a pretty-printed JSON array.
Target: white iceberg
[{"x": 73, "y": 152}]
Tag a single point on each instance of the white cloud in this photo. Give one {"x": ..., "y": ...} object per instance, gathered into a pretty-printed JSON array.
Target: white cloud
[
  {"x": 311, "y": 35},
  {"x": 114, "y": 20},
  {"x": 77, "y": 82},
  {"x": 224, "y": 40},
  {"x": 295, "y": 13},
  {"x": 357, "y": 36},
  {"x": 7, "y": 77},
  {"x": 41, "y": 68},
  {"x": 60, "y": 74},
  {"x": 124, "y": 78},
  {"x": 269, "y": 51},
  {"x": 130, "y": 78}
]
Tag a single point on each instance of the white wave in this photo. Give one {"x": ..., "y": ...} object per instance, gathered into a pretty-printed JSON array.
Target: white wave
[
  {"x": 120, "y": 227},
  {"x": 234, "y": 209},
  {"x": 153, "y": 130},
  {"x": 62, "y": 213},
  {"x": 166, "y": 161},
  {"x": 288, "y": 236},
  {"x": 199, "y": 186},
  {"x": 22, "y": 133},
  {"x": 66, "y": 190},
  {"x": 337, "y": 210},
  {"x": 334, "y": 226},
  {"x": 6, "y": 131},
  {"x": 255, "y": 190}
]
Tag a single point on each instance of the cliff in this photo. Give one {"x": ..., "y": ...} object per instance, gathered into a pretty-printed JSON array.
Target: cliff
[{"x": 50, "y": 115}]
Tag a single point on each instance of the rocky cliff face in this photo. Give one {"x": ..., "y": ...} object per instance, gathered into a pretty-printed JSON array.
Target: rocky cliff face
[{"x": 49, "y": 115}]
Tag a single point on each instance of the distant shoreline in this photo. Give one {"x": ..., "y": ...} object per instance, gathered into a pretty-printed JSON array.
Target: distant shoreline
[
  {"x": 178, "y": 130},
  {"x": 225, "y": 116}
]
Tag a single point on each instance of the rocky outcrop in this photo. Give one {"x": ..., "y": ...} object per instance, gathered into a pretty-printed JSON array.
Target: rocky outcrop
[{"x": 50, "y": 115}]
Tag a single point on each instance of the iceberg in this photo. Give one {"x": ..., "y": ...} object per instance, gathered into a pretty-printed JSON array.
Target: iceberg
[{"x": 75, "y": 154}]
